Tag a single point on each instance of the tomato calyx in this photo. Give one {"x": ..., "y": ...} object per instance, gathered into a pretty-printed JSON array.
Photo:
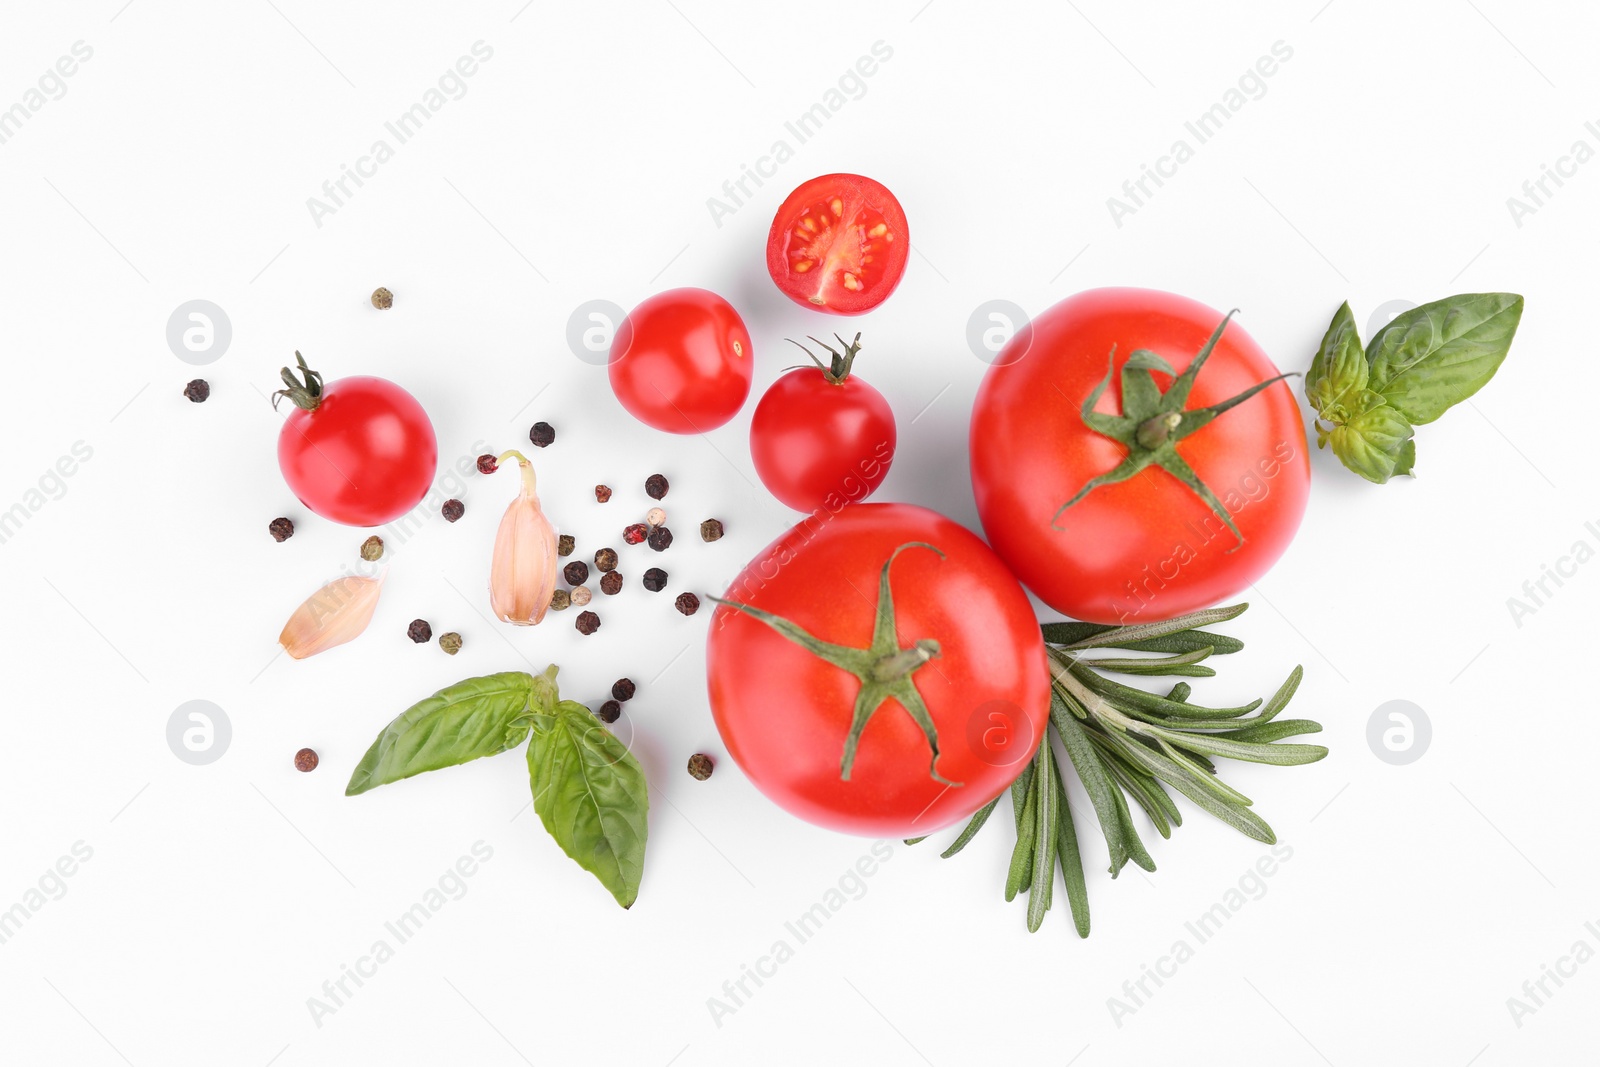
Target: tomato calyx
[
  {"x": 1152, "y": 422},
  {"x": 837, "y": 369},
  {"x": 884, "y": 668},
  {"x": 305, "y": 391}
]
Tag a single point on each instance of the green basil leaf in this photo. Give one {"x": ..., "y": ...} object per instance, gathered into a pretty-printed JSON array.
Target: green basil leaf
[
  {"x": 1433, "y": 357},
  {"x": 591, "y": 795},
  {"x": 473, "y": 718},
  {"x": 1339, "y": 370},
  {"x": 1375, "y": 443}
]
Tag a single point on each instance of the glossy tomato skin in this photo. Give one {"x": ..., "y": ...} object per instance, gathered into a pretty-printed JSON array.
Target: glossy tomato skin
[
  {"x": 1145, "y": 549},
  {"x": 784, "y": 714},
  {"x": 839, "y": 244},
  {"x": 821, "y": 445},
  {"x": 365, "y": 456},
  {"x": 682, "y": 361}
]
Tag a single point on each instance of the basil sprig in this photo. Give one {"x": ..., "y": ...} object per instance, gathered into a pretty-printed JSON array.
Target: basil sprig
[
  {"x": 1126, "y": 743},
  {"x": 1416, "y": 368},
  {"x": 588, "y": 789}
]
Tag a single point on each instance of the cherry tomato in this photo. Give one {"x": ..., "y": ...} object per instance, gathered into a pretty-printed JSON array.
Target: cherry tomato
[
  {"x": 785, "y": 713},
  {"x": 821, "y": 437},
  {"x": 681, "y": 361},
  {"x": 360, "y": 451},
  {"x": 1147, "y": 548},
  {"x": 839, "y": 243}
]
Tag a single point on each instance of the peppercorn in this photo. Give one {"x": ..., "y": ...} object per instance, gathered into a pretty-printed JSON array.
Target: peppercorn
[
  {"x": 605, "y": 559},
  {"x": 565, "y": 544},
  {"x": 611, "y": 583},
  {"x": 305, "y": 760},
  {"x": 700, "y": 766},
  {"x": 450, "y": 642},
  {"x": 622, "y": 689},
  {"x": 419, "y": 631},
  {"x": 588, "y": 623},
  {"x": 602, "y": 493},
  {"x": 382, "y": 299},
  {"x": 655, "y": 579},
  {"x": 635, "y": 533},
  {"x": 372, "y": 548},
  {"x": 542, "y": 434},
  {"x": 281, "y": 529},
  {"x": 576, "y": 572},
  {"x": 453, "y": 509},
  {"x": 609, "y": 711},
  {"x": 655, "y": 517},
  {"x": 582, "y": 595},
  {"x": 711, "y": 530},
  {"x": 660, "y": 538},
  {"x": 656, "y": 486},
  {"x": 560, "y": 600},
  {"x": 197, "y": 391},
  {"x": 487, "y": 463},
  {"x": 687, "y": 603}
]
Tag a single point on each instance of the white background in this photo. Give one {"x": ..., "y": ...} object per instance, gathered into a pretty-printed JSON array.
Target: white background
[{"x": 177, "y": 166}]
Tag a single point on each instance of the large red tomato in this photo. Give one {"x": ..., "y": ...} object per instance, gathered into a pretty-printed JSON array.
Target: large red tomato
[
  {"x": 360, "y": 451},
  {"x": 681, "y": 361},
  {"x": 961, "y": 634},
  {"x": 1149, "y": 547}
]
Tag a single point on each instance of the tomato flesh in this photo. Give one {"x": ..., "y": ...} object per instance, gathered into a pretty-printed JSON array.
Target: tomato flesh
[{"x": 838, "y": 243}]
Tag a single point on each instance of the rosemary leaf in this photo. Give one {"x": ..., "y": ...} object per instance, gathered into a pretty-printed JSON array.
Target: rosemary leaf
[
  {"x": 974, "y": 824},
  {"x": 1021, "y": 872},
  {"x": 1116, "y": 636},
  {"x": 1047, "y": 805},
  {"x": 1071, "y": 860}
]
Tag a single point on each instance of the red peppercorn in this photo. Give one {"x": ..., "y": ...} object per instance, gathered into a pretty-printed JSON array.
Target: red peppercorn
[
  {"x": 197, "y": 391},
  {"x": 611, "y": 583},
  {"x": 305, "y": 760},
  {"x": 588, "y": 622},
  {"x": 687, "y": 603},
  {"x": 488, "y": 464},
  {"x": 635, "y": 533},
  {"x": 453, "y": 510},
  {"x": 602, "y": 493},
  {"x": 281, "y": 529},
  {"x": 419, "y": 631}
]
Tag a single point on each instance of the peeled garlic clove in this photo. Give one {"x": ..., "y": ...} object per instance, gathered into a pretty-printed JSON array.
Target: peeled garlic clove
[
  {"x": 334, "y": 614},
  {"x": 522, "y": 575}
]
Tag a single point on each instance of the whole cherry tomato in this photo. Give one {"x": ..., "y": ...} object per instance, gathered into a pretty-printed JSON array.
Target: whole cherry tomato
[
  {"x": 681, "y": 361},
  {"x": 360, "y": 451},
  {"x": 839, "y": 243}
]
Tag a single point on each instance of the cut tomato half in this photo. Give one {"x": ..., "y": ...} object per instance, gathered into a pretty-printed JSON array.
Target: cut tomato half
[{"x": 839, "y": 243}]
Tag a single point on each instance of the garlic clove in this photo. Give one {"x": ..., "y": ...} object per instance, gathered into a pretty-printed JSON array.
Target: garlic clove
[
  {"x": 522, "y": 574},
  {"x": 334, "y": 614}
]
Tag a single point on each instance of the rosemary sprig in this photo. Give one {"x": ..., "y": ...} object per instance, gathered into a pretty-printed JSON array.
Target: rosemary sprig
[{"x": 1125, "y": 742}]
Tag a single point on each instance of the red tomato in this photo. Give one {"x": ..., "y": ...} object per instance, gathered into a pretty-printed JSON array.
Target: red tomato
[
  {"x": 682, "y": 362},
  {"x": 1147, "y": 548},
  {"x": 785, "y": 714},
  {"x": 360, "y": 451},
  {"x": 822, "y": 437},
  {"x": 839, "y": 243}
]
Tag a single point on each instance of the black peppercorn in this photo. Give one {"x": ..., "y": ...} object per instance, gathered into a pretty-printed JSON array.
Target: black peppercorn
[
  {"x": 659, "y": 537},
  {"x": 622, "y": 689},
  {"x": 419, "y": 631},
  {"x": 700, "y": 766},
  {"x": 560, "y": 600},
  {"x": 487, "y": 463},
  {"x": 687, "y": 603},
  {"x": 576, "y": 572},
  {"x": 656, "y": 486},
  {"x": 588, "y": 622},
  {"x": 305, "y": 760},
  {"x": 609, "y": 711},
  {"x": 453, "y": 509},
  {"x": 711, "y": 530},
  {"x": 605, "y": 559},
  {"x": 655, "y": 579},
  {"x": 281, "y": 529},
  {"x": 611, "y": 583},
  {"x": 542, "y": 434},
  {"x": 197, "y": 391},
  {"x": 602, "y": 493}
]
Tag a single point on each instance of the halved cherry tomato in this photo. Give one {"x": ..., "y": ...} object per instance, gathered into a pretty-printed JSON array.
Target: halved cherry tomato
[{"x": 839, "y": 243}]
